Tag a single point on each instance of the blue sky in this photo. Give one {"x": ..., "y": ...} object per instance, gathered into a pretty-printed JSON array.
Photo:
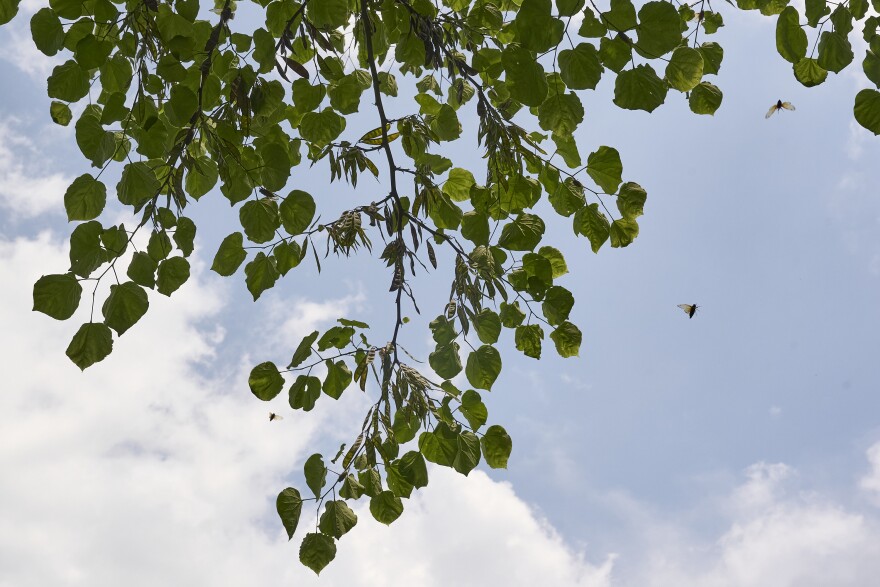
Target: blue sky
[{"x": 738, "y": 448}]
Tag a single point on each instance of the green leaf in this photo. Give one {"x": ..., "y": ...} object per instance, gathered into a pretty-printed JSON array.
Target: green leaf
[
  {"x": 386, "y": 507},
  {"x": 67, "y": 9},
  {"x": 473, "y": 409},
  {"x": 317, "y": 550},
  {"x": 57, "y": 296},
  {"x": 92, "y": 52},
  {"x": 534, "y": 25},
  {"x": 557, "y": 304},
  {"x": 623, "y": 232},
  {"x": 201, "y": 177},
  {"x": 125, "y": 305},
  {"x": 511, "y": 315},
  {"x": 659, "y": 29},
  {"x": 275, "y": 169},
  {"x": 639, "y": 89},
  {"x": 138, "y": 183},
  {"x": 260, "y": 219},
  {"x": 322, "y": 127},
  {"x": 185, "y": 235},
  {"x": 94, "y": 142},
  {"x": 171, "y": 275},
  {"x": 142, "y": 270},
  {"x": 345, "y": 94},
  {"x": 91, "y": 344},
  {"x": 568, "y": 197},
  {"x": 523, "y": 234},
  {"x": 605, "y": 168},
  {"x": 260, "y": 274},
  {"x": 442, "y": 211},
  {"x": 86, "y": 253},
  {"x": 337, "y": 336},
  {"x": 867, "y": 110},
  {"x": 592, "y": 26},
  {"x": 835, "y": 52},
  {"x": 591, "y": 223},
  {"x": 705, "y": 99},
  {"x": 338, "y": 378},
  {"x": 289, "y": 506},
  {"x": 685, "y": 69},
  {"x": 712, "y": 21},
  {"x": 561, "y": 113},
  {"x": 413, "y": 468},
  {"x": 115, "y": 240},
  {"x": 525, "y": 76},
  {"x": 85, "y": 198},
  {"x": 488, "y": 326},
  {"x": 567, "y": 338},
  {"x": 181, "y": 106},
  {"x": 631, "y": 200},
  {"x": 265, "y": 381},
  {"x": 328, "y": 14},
  {"x": 351, "y": 488},
  {"x": 315, "y": 472},
  {"x": 713, "y": 55},
  {"x": 475, "y": 227},
  {"x": 483, "y": 367},
  {"x": 68, "y": 82},
  {"x": 370, "y": 481},
  {"x": 297, "y": 211},
  {"x": 458, "y": 184},
  {"x": 622, "y": 15},
  {"x": 47, "y": 31},
  {"x": 815, "y": 10},
  {"x": 445, "y": 360},
  {"x": 337, "y": 519},
  {"x": 615, "y": 53},
  {"x": 580, "y": 67},
  {"x": 528, "y": 340},
  {"x": 304, "y": 393},
  {"x": 116, "y": 75},
  {"x": 468, "y": 455},
  {"x": 557, "y": 261},
  {"x": 791, "y": 40},
  {"x": 60, "y": 113},
  {"x": 304, "y": 350},
  {"x": 446, "y": 124},
  {"x": 871, "y": 67},
  {"x": 8, "y": 10},
  {"x": 230, "y": 255},
  {"x": 497, "y": 445},
  {"x": 288, "y": 255},
  {"x": 307, "y": 97},
  {"x": 159, "y": 245}
]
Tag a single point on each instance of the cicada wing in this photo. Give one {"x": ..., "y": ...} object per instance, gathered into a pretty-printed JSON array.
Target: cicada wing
[
  {"x": 686, "y": 308},
  {"x": 771, "y": 112},
  {"x": 788, "y": 105}
]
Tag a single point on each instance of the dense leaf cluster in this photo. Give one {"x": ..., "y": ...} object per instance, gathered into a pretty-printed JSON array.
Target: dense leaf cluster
[{"x": 183, "y": 100}]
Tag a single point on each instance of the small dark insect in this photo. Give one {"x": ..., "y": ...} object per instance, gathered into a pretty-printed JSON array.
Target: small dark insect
[
  {"x": 274, "y": 416},
  {"x": 778, "y": 106},
  {"x": 689, "y": 309}
]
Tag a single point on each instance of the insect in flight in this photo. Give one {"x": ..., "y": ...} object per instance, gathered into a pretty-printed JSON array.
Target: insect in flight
[
  {"x": 779, "y": 106},
  {"x": 274, "y": 416},
  {"x": 689, "y": 309}
]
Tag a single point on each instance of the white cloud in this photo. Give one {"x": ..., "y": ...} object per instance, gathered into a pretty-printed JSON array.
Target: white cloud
[
  {"x": 146, "y": 470},
  {"x": 18, "y": 49},
  {"x": 27, "y": 188},
  {"x": 871, "y": 482},
  {"x": 774, "y": 536}
]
